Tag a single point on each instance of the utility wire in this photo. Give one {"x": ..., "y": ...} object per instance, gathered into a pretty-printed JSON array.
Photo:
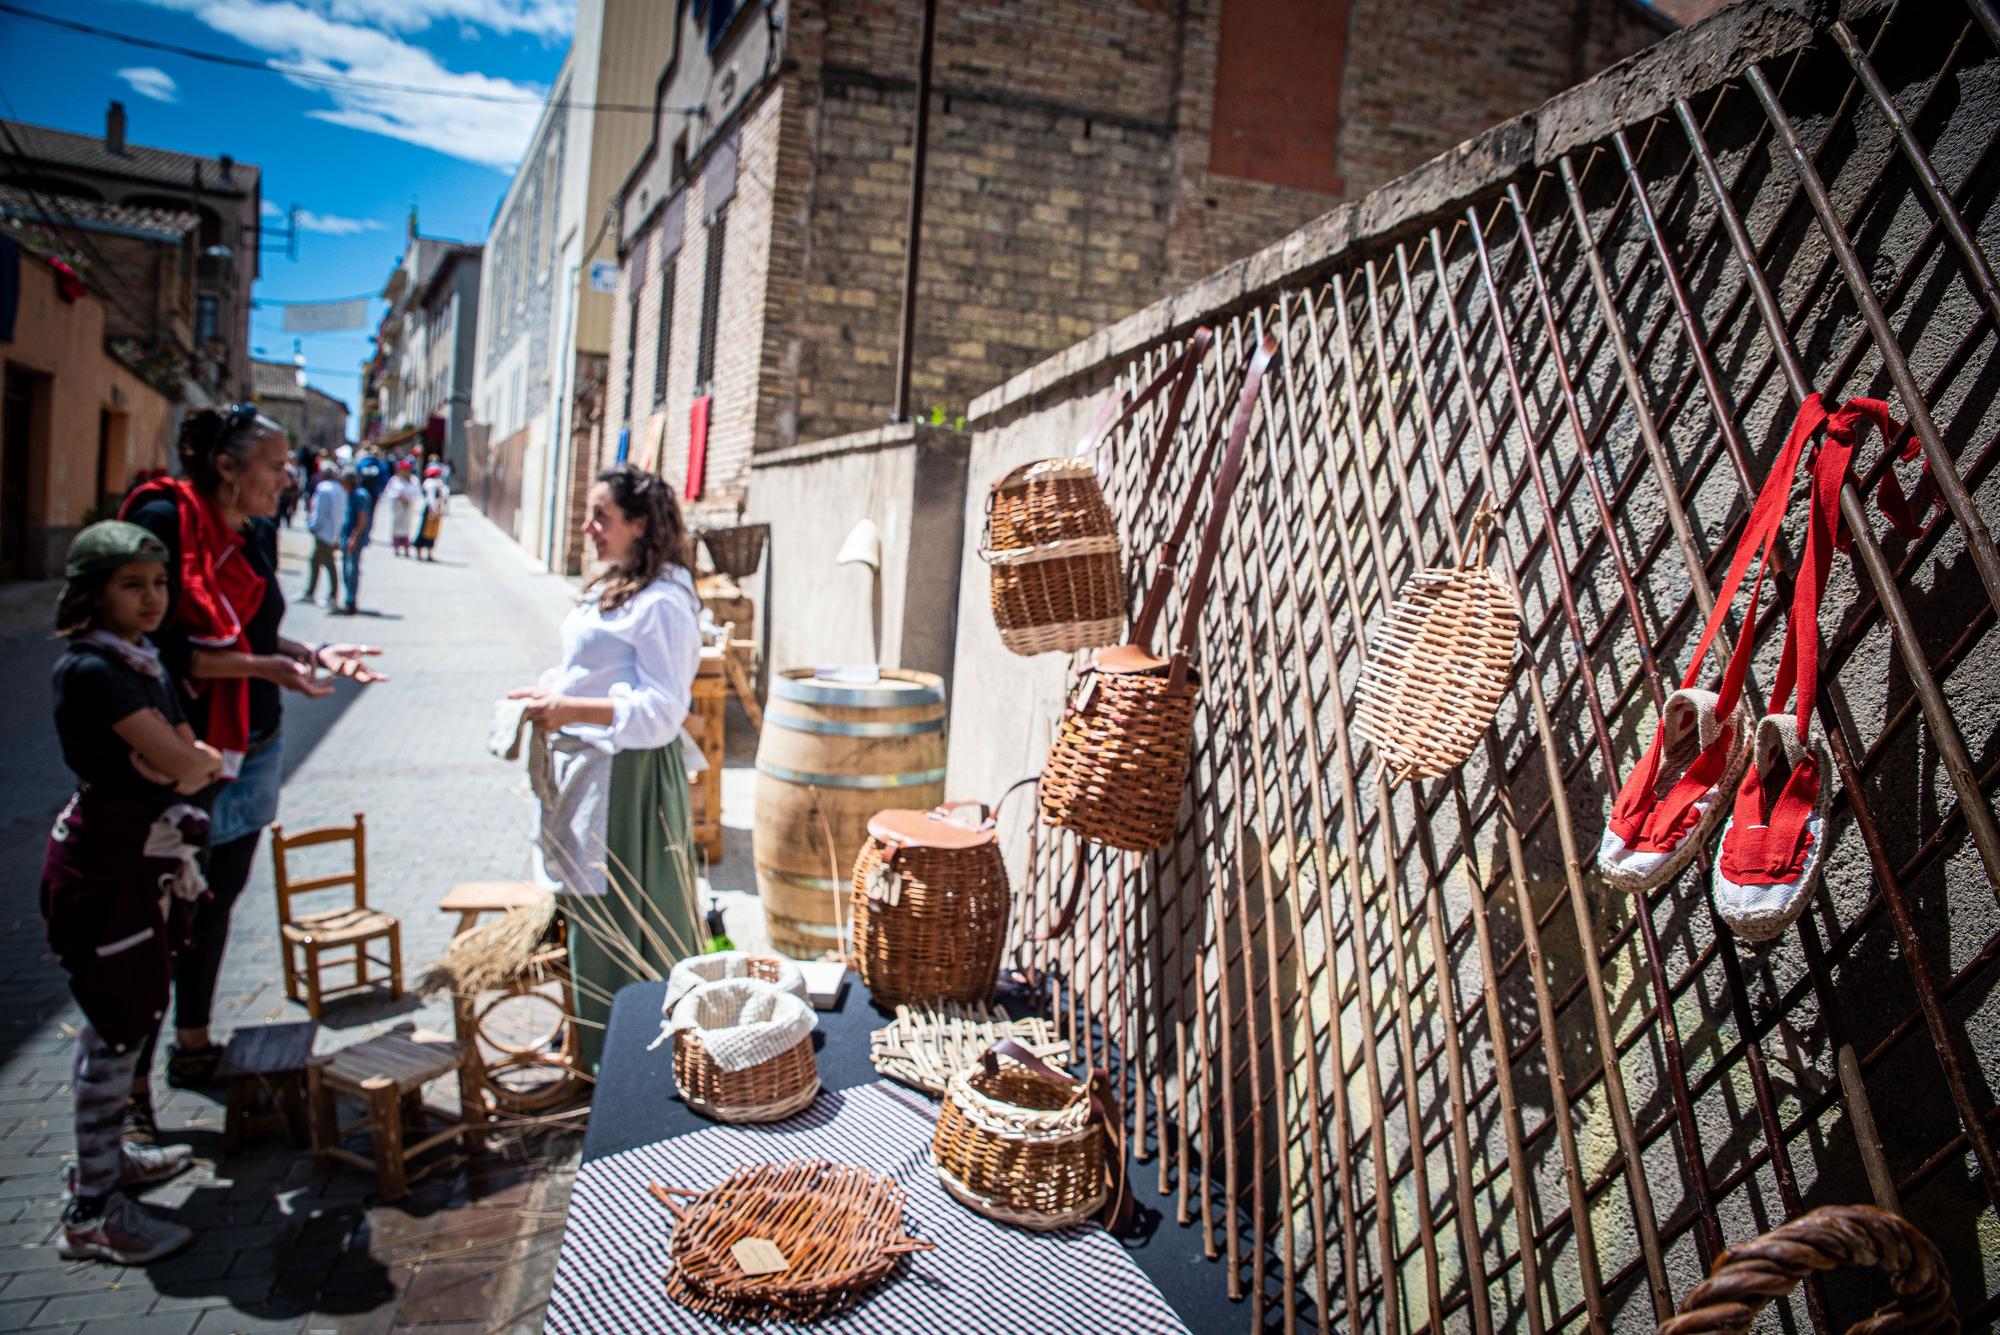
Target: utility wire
[{"x": 334, "y": 80}]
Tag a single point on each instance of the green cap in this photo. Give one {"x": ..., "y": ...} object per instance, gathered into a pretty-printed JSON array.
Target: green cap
[{"x": 106, "y": 546}]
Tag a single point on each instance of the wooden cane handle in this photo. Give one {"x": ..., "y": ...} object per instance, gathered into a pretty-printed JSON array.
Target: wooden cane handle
[{"x": 1745, "y": 1278}]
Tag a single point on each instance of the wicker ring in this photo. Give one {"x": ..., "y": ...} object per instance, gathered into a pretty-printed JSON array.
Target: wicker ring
[{"x": 1745, "y": 1278}]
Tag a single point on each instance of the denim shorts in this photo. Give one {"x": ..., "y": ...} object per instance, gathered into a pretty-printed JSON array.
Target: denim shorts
[{"x": 249, "y": 802}]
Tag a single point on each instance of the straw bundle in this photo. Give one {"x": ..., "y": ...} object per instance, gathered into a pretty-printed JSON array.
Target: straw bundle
[{"x": 511, "y": 949}]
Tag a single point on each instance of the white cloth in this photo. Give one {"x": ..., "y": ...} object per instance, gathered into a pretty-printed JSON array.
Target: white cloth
[
  {"x": 167, "y": 839},
  {"x": 572, "y": 781},
  {"x": 695, "y": 970},
  {"x": 328, "y": 509},
  {"x": 643, "y": 658},
  {"x": 742, "y": 1021},
  {"x": 510, "y": 722},
  {"x": 403, "y": 495}
]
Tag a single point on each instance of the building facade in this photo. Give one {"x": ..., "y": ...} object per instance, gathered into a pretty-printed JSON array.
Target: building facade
[
  {"x": 78, "y": 182},
  {"x": 544, "y": 328},
  {"x": 1084, "y": 157},
  {"x": 315, "y": 419},
  {"x": 420, "y": 379}
]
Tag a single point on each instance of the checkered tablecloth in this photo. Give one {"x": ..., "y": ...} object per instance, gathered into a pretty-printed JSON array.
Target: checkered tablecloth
[{"x": 983, "y": 1277}]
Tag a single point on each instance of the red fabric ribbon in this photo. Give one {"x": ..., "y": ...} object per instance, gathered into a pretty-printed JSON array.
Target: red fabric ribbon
[{"x": 219, "y": 589}]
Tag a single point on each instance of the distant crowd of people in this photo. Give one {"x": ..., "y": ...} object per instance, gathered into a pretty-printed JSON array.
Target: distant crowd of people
[{"x": 343, "y": 490}]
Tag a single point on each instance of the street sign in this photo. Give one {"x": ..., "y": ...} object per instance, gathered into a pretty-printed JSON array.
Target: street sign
[{"x": 604, "y": 275}]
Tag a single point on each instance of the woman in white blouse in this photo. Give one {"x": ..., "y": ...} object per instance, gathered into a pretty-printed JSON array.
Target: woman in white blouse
[{"x": 615, "y": 842}]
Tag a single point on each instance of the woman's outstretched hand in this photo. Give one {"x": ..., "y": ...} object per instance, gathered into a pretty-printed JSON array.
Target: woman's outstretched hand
[
  {"x": 293, "y": 675},
  {"x": 348, "y": 660}
]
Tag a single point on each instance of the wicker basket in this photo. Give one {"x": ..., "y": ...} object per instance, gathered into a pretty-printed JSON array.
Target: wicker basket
[
  {"x": 1120, "y": 760},
  {"x": 925, "y": 1046},
  {"x": 769, "y": 1090},
  {"x": 1057, "y": 579},
  {"x": 1437, "y": 668},
  {"x": 1023, "y": 1143},
  {"x": 1748, "y": 1276},
  {"x": 737, "y": 551},
  {"x": 838, "y": 1227},
  {"x": 930, "y": 903}
]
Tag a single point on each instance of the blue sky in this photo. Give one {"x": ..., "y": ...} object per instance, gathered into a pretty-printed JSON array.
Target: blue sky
[{"x": 354, "y": 161}]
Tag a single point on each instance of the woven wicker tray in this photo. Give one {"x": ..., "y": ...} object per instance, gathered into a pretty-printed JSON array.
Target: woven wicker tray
[
  {"x": 839, "y": 1229},
  {"x": 925, "y": 1046}
]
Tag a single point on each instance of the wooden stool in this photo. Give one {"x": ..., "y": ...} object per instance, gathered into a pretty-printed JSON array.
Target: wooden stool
[
  {"x": 388, "y": 1074},
  {"x": 266, "y": 1065},
  {"x": 469, "y": 899},
  {"x": 711, "y": 695}
]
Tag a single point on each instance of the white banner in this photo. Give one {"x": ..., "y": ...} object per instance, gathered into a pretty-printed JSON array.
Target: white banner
[{"x": 325, "y": 317}]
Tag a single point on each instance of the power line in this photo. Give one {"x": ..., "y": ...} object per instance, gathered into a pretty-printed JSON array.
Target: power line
[{"x": 334, "y": 80}]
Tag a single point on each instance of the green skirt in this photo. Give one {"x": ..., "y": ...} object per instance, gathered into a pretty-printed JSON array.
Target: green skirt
[{"x": 650, "y": 917}]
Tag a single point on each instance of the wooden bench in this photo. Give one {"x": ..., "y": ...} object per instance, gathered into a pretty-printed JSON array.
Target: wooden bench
[{"x": 470, "y": 899}]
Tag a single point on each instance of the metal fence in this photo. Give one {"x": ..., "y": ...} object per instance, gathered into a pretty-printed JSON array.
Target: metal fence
[{"x": 1363, "y": 1028}]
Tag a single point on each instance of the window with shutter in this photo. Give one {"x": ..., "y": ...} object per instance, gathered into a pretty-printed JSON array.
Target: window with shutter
[
  {"x": 666, "y": 337},
  {"x": 631, "y": 351},
  {"x": 711, "y": 302}
]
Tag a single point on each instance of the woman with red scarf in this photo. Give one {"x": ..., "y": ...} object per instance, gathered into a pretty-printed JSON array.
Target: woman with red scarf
[{"x": 222, "y": 644}]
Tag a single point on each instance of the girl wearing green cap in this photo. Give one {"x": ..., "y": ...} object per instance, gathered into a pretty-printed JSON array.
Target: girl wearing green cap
[{"x": 120, "y": 876}]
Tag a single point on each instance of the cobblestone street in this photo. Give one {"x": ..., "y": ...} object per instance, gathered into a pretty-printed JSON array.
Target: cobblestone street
[{"x": 283, "y": 1245}]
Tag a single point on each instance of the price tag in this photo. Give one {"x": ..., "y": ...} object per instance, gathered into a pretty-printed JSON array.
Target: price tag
[{"x": 759, "y": 1256}]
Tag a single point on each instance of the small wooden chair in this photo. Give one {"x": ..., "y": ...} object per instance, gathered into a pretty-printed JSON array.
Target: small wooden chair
[
  {"x": 387, "y": 1073},
  {"x": 346, "y": 931}
]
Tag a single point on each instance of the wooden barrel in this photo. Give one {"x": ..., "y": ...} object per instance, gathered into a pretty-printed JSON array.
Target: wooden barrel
[{"x": 841, "y": 751}]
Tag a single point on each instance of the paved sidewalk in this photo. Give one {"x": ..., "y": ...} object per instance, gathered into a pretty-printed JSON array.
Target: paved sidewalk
[{"x": 282, "y": 1245}]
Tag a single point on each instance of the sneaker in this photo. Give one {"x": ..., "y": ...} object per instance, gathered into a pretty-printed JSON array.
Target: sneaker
[
  {"x": 1672, "y": 802},
  {"x": 139, "y": 1128},
  {"x": 1775, "y": 841},
  {"x": 193, "y": 1068},
  {"x": 142, "y": 1166},
  {"x": 123, "y": 1234}
]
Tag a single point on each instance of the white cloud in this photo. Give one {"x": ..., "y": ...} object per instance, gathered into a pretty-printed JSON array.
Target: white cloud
[
  {"x": 332, "y": 224},
  {"x": 147, "y": 81},
  {"x": 315, "y": 38},
  {"x": 271, "y": 210}
]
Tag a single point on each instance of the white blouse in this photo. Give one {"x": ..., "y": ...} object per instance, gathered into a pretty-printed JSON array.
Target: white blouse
[{"x": 643, "y": 658}]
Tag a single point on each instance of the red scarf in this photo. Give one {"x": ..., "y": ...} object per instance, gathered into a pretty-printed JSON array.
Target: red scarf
[{"x": 219, "y": 591}]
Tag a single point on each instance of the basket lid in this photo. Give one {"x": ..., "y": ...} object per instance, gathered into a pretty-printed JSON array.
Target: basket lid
[
  {"x": 1125, "y": 658},
  {"x": 927, "y": 829},
  {"x": 1040, "y": 470}
]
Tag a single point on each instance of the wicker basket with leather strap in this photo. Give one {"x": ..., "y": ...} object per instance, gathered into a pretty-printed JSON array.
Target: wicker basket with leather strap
[
  {"x": 1057, "y": 578},
  {"x": 930, "y": 904},
  {"x": 837, "y": 1229},
  {"x": 1023, "y": 1143},
  {"x": 1120, "y": 760}
]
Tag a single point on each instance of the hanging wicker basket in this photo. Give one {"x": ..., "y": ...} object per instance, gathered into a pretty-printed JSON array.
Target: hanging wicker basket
[
  {"x": 1023, "y": 1143},
  {"x": 930, "y": 903},
  {"x": 723, "y": 1031},
  {"x": 1746, "y": 1277},
  {"x": 736, "y": 551},
  {"x": 1438, "y": 667},
  {"x": 839, "y": 1229}
]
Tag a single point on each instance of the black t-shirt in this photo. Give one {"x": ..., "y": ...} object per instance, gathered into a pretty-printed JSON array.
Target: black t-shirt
[
  {"x": 94, "y": 689},
  {"x": 161, "y": 517}
]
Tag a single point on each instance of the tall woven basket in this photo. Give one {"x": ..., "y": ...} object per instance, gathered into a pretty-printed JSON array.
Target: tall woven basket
[
  {"x": 1115, "y": 773},
  {"x": 838, "y": 1227},
  {"x": 1022, "y": 1143},
  {"x": 736, "y": 551},
  {"x": 1057, "y": 568},
  {"x": 768, "y": 1091},
  {"x": 930, "y": 904},
  {"x": 1438, "y": 667}
]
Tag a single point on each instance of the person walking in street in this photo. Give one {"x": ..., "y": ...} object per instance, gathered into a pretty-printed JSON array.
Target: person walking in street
[
  {"x": 288, "y": 499},
  {"x": 354, "y": 526},
  {"x": 374, "y": 470},
  {"x": 221, "y": 641},
  {"x": 436, "y": 499},
  {"x": 323, "y": 520},
  {"x": 128, "y": 833},
  {"x": 611, "y": 716},
  {"x": 405, "y": 497}
]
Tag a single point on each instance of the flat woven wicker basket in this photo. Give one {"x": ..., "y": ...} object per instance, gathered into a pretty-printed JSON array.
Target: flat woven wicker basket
[
  {"x": 838, "y": 1227},
  {"x": 925, "y": 1046},
  {"x": 769, "y": 1091},
  {"x": 930, "y": 903},
  {"x": 1437, "y": 668},
  {"x": 1057, "y": 570},
  {"x": 1020, "y": 1146},
  {"x": 736, "y": 551}
]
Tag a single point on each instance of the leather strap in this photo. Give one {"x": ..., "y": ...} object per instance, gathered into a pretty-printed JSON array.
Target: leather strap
[
  {"x": 1180, "y": 373},
  {"x": 1211, "y": 539},
  {"x": 1066, "y": 915},
  {"x": 1104, "y": 1111}
]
